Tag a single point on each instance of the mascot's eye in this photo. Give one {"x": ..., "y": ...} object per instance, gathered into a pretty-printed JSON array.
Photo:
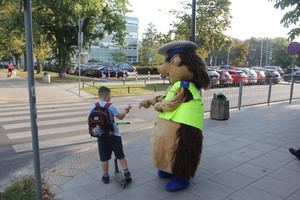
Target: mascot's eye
[{"x": 169, "y": 60}]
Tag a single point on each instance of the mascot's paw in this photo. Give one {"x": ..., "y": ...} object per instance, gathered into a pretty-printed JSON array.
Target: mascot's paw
[
  {"x": 157, "y": 106},
  {"x": 177, "y": 184},
  {"x": 145, "y": 104},
  {"x": 163, "y": 174}
]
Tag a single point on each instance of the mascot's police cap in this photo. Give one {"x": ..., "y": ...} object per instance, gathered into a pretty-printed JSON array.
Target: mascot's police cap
[{"x": 176, "y": 47}]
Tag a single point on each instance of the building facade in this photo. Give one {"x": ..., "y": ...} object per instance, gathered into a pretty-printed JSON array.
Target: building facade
[{"x": 102, "y": 51}]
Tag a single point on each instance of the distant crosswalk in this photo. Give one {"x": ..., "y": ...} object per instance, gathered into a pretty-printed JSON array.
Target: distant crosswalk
[{"x": 59, "y": 123}]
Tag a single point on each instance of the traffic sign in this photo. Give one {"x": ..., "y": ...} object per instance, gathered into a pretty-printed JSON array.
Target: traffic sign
[{"x": 294, "y": 48}]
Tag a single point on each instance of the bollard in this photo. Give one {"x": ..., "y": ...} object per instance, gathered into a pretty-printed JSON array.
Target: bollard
[
  {"x": 102, "y": 74},
  {"x": 148, "y": 75},
  {"x": 46, "y": 77},
  {"x": 160, "y": 76},
  {"x": 116, "y": 75},
  {"x": 108, "y": 74},
  {"x": 136, "y": 75}
]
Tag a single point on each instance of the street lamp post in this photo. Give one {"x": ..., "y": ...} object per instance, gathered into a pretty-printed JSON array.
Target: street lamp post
[{"x": 80, "y": 41}]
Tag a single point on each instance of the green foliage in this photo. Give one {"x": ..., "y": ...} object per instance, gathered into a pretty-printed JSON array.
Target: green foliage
[
  {"x": 12, "y": 30},
  {"x": 119, "y": 56},
  {"x": 24, "y": 189},
  {"x": 58, "y": 20},
  {"x": 150, "y": 44},
  {"x": 291, "y": 17},
  {"x": 212, "y": 19},
  {"x": 239, "y": 52}
]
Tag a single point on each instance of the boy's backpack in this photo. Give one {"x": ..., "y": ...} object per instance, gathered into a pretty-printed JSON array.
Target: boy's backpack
[{"x": 100, "y": 122}]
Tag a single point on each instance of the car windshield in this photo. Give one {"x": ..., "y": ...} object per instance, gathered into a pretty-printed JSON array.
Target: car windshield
[
  {"x": 223, "y": 73},
  {"x": 252, "y": 72},
  {"x": 241, "y": 73}
]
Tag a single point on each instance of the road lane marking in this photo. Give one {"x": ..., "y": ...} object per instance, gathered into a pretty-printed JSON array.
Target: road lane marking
[
  {"x": 50, "y": 131},
  {"x": 44, "y": 123},
  {"x": 41, "y": 116}
]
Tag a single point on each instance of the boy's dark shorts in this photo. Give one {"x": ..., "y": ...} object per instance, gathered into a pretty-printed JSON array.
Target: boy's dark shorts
[
  {"x": 109, "y": 145},
  {"x": 9, "y": 69}
]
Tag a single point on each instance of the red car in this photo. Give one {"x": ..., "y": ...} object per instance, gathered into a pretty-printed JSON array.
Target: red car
[
  {"x": 237, "y": 76},
  {"x": 225, "y": 77},
  {"x": 261, "y": 77}
]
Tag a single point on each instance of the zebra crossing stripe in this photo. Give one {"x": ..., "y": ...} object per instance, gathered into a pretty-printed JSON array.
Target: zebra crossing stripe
[
  {"x": 41, "y": 116},
  {"x": 50, "y": 131},
  {"x": 84, "y": 110},
  {"x": 44, "y": 123},
  {"x": 54, "y": 143},
  {"x": 22, "y": 104},
  {"x": 14, "y": 108}
]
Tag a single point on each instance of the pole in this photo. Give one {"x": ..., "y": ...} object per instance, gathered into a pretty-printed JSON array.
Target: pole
[
  {"x": 193, "y": 34},
  {"x": 32, "y": 98},
  {"x": 292, "y": 80},
  {"x": 80, "y": 41},
  {"x": 261, "y": 51}
]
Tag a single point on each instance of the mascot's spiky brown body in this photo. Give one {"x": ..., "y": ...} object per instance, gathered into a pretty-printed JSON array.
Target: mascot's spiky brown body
[{"x": 176, "y": 142}]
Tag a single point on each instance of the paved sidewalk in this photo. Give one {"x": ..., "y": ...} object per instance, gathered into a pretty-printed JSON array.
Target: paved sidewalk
[{"x": 245, "y": 157}]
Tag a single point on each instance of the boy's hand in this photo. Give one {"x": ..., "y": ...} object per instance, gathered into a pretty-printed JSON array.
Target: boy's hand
[{"x": 128, "y": 108}]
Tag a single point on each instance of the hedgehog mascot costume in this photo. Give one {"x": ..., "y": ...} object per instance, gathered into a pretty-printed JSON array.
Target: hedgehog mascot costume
[{"x": 176, "y": 140}]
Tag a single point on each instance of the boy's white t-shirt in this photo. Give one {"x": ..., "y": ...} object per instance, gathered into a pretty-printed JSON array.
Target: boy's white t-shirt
[{"x": 114, "y": 111}]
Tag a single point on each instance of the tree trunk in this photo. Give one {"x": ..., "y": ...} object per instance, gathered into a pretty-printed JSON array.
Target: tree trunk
[{"x": 39, "y": 67}]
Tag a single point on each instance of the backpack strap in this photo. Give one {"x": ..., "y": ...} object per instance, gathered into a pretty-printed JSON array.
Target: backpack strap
[
  {"x": 106, "y": 105},
  {"x": 97, "y": 104}
]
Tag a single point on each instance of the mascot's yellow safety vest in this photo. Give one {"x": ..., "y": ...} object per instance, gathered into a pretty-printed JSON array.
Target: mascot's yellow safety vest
[{"x": 190, "y": 113}]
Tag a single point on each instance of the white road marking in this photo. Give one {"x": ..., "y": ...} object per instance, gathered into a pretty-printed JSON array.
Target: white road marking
[
  {"x": 43, "y": 123},
  {"x": 50, "y": 131}
]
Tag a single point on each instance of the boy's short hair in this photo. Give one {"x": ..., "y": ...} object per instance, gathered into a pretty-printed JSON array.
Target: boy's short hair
[{"x": 103, "y": 90}]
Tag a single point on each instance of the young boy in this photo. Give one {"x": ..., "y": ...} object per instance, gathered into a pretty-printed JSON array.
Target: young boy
[{"x": 114, "y": 143}]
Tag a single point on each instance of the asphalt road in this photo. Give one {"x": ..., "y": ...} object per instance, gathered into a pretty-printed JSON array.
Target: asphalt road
[{"x": 62, "y": 131}]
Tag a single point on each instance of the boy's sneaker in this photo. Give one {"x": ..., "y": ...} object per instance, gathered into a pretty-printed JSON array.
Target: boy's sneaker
[
  {"x": 128, "y": 178},
  {"x": 105, "y": 179}
]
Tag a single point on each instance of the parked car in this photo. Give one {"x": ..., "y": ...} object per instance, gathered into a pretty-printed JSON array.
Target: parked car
[
  {"x": 225, "y": 77},
  {"x": 251, "y": 75},
  {"x": 125, "y": 66},
  {"x": 214, "y": 76},
  {"x": 287, "y": 77},
  {"x": 277, "y": 68},
  {"x": 72, "y": 69},
  {"x": 289, "y": 70},
  {"x": 112, "y": 71},
  {"x": 83, "y": 69},
  {"x": 237, "y": 76},
  {"x": 272, "y": 74},
  {"x": 261, "y": 76},
  {"x": 90, "y": 70}
]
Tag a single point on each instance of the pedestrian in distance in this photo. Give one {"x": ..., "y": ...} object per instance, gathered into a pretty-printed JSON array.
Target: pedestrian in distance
[
  {"x": 114, "y": 143},
  {"x": 295, "y": 152},
  {"x": 10, "y": 69}
]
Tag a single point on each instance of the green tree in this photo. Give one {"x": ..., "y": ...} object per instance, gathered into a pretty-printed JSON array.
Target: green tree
[
  {"x": 150, "y": 44},
  {"x": 239, "y": 52},
  {"x": 291, "y": 17},
  {"x": 58, "y": 20},
  {"x": 12, "y": 30},
  {"x": 212, "y": 19},
  {"x": 119, "y": 56},
  {"x": 280, "y": 55}
]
